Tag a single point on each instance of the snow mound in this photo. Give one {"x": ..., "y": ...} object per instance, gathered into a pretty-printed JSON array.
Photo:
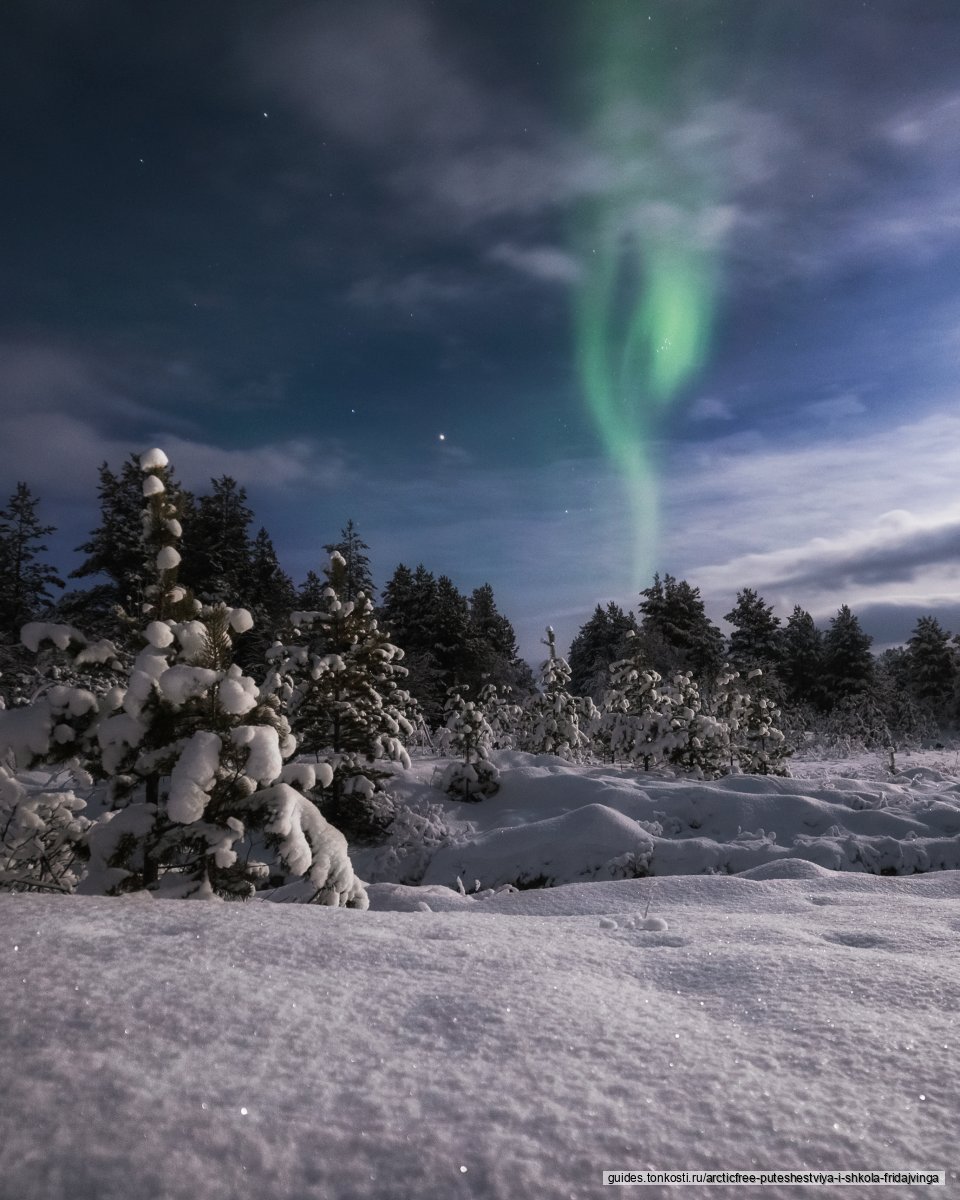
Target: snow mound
[
  {"x": 594, "y": 842},
  {"x": 553, "y": 822}
]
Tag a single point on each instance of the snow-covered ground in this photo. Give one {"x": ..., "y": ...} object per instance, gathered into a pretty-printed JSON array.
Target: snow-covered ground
[
  {"x": 509, "y": 1044},
  {"x": 554, "y": 823}
]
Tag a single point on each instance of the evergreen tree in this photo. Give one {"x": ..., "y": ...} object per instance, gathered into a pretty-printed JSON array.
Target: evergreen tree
[
  {"x": 340, "y": 678},
  {"x": 930, "y": 667},
  {"x": 310, "y": 595},
  {"x": 408, "y": 614},
  {"x": 115, "y": 551},
  {"x": 272, "y": 593},
  {"x": 848, "y": 667},
  {"x": 801, "y": 667},
  {"x": 678, "y": 633},
  {"x": 600, "y": 642},
  {"x": 492, "y": 647},
  {"x": 194, "y": 758},
  {"x": 218, "y": 555},
  {"x": 554, "y": 720},
  {"x": 636, "y": 726},
  {"x": 467, "y": 735},
  {"x": 352, "y": 549},
  {"x": 450, "y": 623},
  {"x": 756, "y": 638},
  {"x": 25, "y": 580}
]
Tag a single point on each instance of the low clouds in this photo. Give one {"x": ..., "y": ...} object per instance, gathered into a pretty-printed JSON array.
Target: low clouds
[
  {"x": 66, "y": 412},
  {"x": 865, "y": 523}
]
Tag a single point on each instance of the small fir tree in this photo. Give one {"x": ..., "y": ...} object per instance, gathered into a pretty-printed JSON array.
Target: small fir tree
[
  {"x": 339, "y": 677},
  {"x": 468, "y": 735},
  {"x": 553, "y": 719},
  {"x": 355, "y": 577},
  {"x": 193, "y": 757}
]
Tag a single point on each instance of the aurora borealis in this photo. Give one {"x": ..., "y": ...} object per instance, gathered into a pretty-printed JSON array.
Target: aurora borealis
[
  {"x": 552, "y": 295},
  {"x": 645, "y": 300}
]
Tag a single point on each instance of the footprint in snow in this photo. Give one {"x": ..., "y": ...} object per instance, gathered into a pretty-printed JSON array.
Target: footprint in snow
[
  {"x": 861, "y": 941},
  {"x": 645, "y": 925},
  {"x": 655, "y": 924}
]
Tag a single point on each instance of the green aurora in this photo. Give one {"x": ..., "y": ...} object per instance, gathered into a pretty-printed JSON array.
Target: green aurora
[{"x": 644, "y": 305}]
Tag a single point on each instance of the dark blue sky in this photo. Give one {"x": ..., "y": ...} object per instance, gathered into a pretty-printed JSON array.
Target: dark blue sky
[{"x": 299, "y": 243}]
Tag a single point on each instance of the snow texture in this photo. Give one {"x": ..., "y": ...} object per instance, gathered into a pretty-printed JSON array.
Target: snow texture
[
  {"x": 305, "y": 838},
  {"x": 193, "y": 776},
  {"x": 240, "y": 620},
  {"x": 167, "y": 558},
  {"x": 264, "y": 761},
  {"x": 34, "y": 633},
  {"x": 151, "y": 460},
  {"x": 489, "y": 1047},
  {"x": 159, "y": 634},
  {"x": 153, "y": 486},
  {"x": 238, "y": 693},
  {"x": 180, "y": 683},
  {"x": 552, "y": 822}
]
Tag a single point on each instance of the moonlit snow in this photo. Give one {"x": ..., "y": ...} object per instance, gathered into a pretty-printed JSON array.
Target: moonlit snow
[{"x": 487, "y": 1042}]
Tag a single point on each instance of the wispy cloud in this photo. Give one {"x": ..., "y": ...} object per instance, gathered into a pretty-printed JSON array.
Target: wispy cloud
[
  {"x": 547, "y": 263},
  {"x": 823, "y": 524}
]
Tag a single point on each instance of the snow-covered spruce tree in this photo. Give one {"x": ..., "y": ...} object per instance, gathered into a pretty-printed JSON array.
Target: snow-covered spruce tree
[
  {"x": 501, "y": 714},
  {"x": 200, "y": 801},
  {"x": 467, "y": 735},
  {"x": 554, "y": 719},
  {"x": 636, "y": 723},
  {"x": 338, "y": 677},
  {"x": 756, "y": 742}
]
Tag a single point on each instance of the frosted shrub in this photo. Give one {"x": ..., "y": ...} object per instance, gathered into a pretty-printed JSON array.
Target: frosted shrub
[{"x": 41, "y": 838}]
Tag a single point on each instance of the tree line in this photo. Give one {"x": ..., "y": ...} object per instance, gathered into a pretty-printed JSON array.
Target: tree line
[
  {"x": 449, "y": 639},
  {"x": 824, "y": 679}
]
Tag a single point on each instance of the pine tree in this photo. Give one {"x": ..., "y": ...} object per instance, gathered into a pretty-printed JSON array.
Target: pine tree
[
  {"x": 218, "y": 554},
  {"x": 352, "y": 549},
  {"x": 310, "y": 595},
  {"x": 931, "y": 667},
  {"x": 554, "y": 720},
  {"x": 801, "y": 667},
  {"x": 492, "y": 647},
  {"x": 678, "y": 633},
  {"x": 600, "y": 642},
  {"x": 467, "y": 734},
  {"x": 848, "y": 667},
  {"x": 25, "y": 580},
  {"x": 636, "y": 726},
  {"x": 272, "y": 595},
  {"x": 193, "y": 756},
  {"x": 340, "y": 678},
  {"x": 502, "y": 714},
  {"x": 408, "y": 614},
  {"x": 756, "y": 638},
  {"x": 115, "y": 551}
]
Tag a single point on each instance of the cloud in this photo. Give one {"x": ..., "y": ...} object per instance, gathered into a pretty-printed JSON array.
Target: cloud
[
  {"x": 821, "y": 524},
  {"x": 834, "y": 408},
  {"x": 374, "y": 74},
  {"x": 66, "y": 412},
  {"x": 415, "y": 290},
  {"x": 546, "y": 263},
  {"x": 710, "y": 408}
]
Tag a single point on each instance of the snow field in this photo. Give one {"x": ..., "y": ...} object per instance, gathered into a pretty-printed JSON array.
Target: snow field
[
  {"x": 176, "y": 1050},
  {"x": 554, "y": 822}
]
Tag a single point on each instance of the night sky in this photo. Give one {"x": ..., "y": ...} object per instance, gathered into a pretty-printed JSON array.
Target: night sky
[{"x": 551, "y": 294}]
